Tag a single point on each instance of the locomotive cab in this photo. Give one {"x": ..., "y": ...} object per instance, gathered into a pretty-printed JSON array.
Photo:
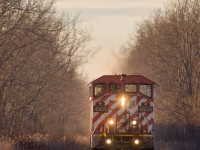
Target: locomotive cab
[{"x": 122, "y": 112}]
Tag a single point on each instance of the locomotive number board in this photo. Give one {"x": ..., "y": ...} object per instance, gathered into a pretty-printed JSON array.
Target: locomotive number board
[
  {"x": 100, "y": 109},
  {"x": 145, "y": 108}
]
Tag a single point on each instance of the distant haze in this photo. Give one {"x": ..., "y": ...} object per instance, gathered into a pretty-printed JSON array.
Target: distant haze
[{"x": 111, "y": 22}]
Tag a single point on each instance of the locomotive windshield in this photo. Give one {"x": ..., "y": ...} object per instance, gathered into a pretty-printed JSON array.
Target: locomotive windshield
[
  {"x": 99, "y": 89},
  {"x": 146, "y": 89},
  {"x": 114, "y": 87},
  {"x": 130, "y": 88}
]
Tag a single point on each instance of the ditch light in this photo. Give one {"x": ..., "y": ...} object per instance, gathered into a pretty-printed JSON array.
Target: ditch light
[
  {"x": 108, "y": 141},
  {"x": 111, "y": 122},
  {"x": 136, "y": 142}
]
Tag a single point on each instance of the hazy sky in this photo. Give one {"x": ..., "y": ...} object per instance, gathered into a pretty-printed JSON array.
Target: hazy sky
[{"x": 111, "y": 22}]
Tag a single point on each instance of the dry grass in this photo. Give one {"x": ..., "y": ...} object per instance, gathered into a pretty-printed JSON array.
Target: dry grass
[
  {"x": 6, "y": 143},
  {"x": 44, "y": 142}
]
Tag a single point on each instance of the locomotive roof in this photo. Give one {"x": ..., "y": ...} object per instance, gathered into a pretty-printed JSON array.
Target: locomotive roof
[{"x": 126, "y": 78}]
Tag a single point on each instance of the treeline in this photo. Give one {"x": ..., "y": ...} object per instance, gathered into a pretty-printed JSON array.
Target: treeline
[
  {"x": 166, "y": 48},
  {"x": 40, "y": 52}
]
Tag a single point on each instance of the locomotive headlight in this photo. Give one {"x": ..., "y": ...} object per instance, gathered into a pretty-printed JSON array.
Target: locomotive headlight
[
  {"x": 136, "y": 142},
  {"x": 123, "y": 101},
  {"x": 111, "y": 122},
  {"x": 108, "y": 141},
  {"x": 134, "y": 122}
]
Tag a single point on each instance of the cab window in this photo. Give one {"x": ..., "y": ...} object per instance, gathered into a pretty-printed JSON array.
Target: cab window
[
  {"x": 99, "y": 89},
  {"x": 114, "y": 87},
  {"x": 146, "y": 90},
  {"x": 130, "y": 88}
]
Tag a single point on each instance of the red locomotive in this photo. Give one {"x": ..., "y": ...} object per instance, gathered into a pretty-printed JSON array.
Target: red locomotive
[{"x": 122, "y": 112}]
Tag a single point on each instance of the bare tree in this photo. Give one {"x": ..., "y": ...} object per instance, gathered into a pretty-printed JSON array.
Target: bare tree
[{"x": 39, "y": 57}]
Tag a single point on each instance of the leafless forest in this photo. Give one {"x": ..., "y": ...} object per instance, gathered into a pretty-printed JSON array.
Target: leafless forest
[
  {"x": 167, "y": 49},
  {"x": 43, "y": 100}
]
